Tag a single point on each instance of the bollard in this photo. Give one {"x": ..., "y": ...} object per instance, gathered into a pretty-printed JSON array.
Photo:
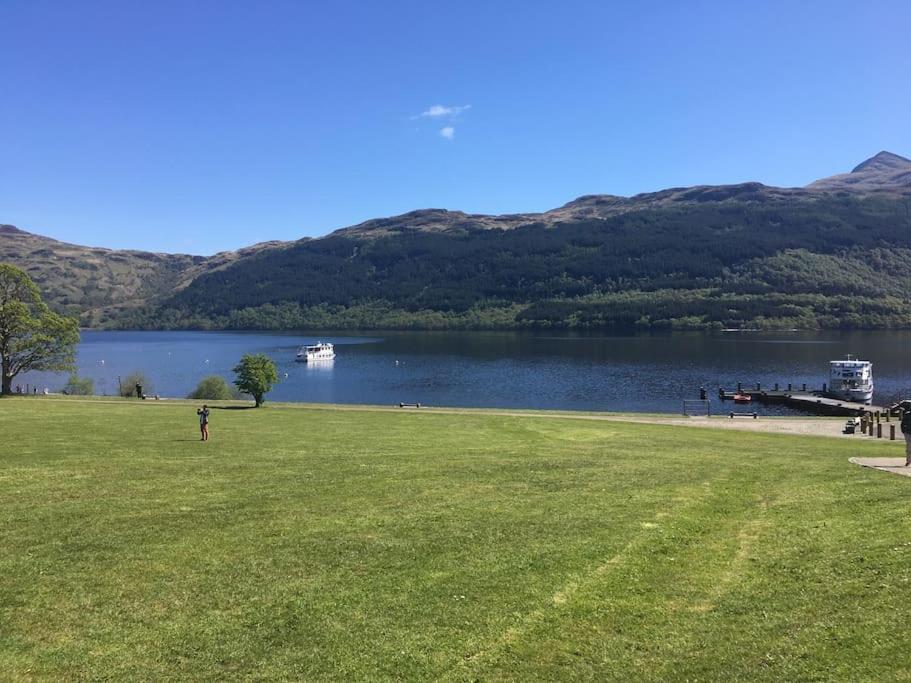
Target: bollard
[
  {"x": 888, "y": 413},
  {"x": 758, "y": 387},
  {"x": 739, "y": 387},
  {"x": 789, "y": 387},
  {"x": 871, "y": 427},
  {"x": 824, "y": 388},
  {"x": 877, "y": 417},
  {"x": 879, "y": 431},
  {"x": 776, "y": 386},
  {"x": 804, "y": 386},
  {"x": 891, "y": 432}
]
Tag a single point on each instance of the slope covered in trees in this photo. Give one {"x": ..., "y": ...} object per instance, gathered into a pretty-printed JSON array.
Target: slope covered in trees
[
  {"x": 827, "y": 261},
  {"x": 836, "y": 253}
]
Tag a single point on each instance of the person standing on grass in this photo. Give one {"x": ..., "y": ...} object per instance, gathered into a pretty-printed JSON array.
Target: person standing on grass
[
  {"x": 906, "y": 430},
  {"x": 203, "y": 422}
]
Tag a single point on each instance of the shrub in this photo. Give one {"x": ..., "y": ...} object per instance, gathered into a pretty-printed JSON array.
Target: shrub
[
  {"x": 79, "y": 386},
  {"x": 213, "y": 388},
  {"x": 128, "y": 384}
]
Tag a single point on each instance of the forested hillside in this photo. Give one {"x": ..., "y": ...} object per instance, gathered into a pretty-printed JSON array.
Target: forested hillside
[
  {"x": 824, "y": 262},
  {"x": 101, "y": 285},
  {"x": 836, "y": 254}
]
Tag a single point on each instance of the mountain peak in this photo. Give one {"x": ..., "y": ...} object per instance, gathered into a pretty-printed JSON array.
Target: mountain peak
[
  {"x": 884, "y": 172},
  {"x": 886, "y": 161}
]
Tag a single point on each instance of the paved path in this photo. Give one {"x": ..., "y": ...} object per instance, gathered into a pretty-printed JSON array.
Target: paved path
[
  {"x": 893, "y": 465},
  {"x": 804, "y": 426}
]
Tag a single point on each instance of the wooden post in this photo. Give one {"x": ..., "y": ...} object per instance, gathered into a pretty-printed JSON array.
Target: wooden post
[
  {"x": 824, "y": 388},
  {"x": 879, "y": 430},
  {"x": 758, "y": 387},
  {"x": 804, "y": 386},
  {"x": 891, "y": 432},
  {"x": 776, "y": 386},
  {"x": 871, "y": 425},
  {"x": 739, "y": 387},
  {"x": 789, "y": 387},
  {"x": 877, "y": 417}
]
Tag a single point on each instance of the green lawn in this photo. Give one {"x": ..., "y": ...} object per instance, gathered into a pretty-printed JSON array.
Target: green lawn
[{"x": 315, "y": 544}]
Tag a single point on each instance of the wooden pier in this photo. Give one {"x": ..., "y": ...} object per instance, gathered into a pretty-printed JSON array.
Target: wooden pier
[{"x": 809, "y": 400}]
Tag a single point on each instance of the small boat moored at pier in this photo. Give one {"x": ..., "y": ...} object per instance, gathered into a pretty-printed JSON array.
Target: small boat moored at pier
[
  {"x": 315, "y": 352},
  {"x": 851, "y": 380}
]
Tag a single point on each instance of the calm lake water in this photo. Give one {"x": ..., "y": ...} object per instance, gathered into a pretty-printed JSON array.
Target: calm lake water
[{"x": 557, "y": 370}]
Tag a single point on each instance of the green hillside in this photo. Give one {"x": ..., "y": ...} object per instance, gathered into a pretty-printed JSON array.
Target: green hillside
[
  {"x": 834, "y": 254},
  {"x": 100, "y": 285},
  {"x": 807, "y": 261}
]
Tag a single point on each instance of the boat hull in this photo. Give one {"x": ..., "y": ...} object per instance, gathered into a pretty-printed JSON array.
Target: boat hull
[
  {"x": 854, "y": 395},
  {"x": 314, "y": 359}
]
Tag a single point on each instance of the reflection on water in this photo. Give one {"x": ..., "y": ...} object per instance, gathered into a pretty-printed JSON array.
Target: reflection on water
[
  {"x": 320, "y": 365},
  {"x": 496, "y": 369}
]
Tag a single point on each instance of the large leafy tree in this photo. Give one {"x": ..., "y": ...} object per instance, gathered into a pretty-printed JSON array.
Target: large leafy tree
[
  {"x": 32, "y": 337},
  {"x": 256, "y": 373}
]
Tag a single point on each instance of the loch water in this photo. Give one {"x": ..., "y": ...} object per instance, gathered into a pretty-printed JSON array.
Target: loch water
[{"x": 544, "y": 370}]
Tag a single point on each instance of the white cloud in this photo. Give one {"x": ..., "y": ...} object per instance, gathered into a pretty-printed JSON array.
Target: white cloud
[
  {"x": 439, "y": 110},
  {"x": 447, "y": 132}
]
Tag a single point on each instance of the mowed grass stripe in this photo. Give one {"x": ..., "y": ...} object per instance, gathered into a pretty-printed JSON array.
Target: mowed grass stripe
[{"x": 326, "y": 544}]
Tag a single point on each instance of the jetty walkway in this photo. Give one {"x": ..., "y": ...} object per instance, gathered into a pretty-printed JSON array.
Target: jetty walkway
[{"x": 810, "y": 401}]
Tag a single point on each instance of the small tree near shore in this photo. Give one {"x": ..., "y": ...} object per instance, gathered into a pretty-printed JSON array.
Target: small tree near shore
[
  {"x": 32, "y": 337},
  {"x": 256, "y": 373}
]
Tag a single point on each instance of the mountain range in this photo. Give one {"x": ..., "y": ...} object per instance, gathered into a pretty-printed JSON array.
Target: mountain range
[{"x": 836, "y": 253}]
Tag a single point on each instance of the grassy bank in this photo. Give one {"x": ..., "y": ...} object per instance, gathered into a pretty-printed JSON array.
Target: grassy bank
[{"x": 306, "y": 543}]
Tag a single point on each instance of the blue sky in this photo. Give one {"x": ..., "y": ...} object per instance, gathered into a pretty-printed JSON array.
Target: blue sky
[{"x": 199, "y": 126}]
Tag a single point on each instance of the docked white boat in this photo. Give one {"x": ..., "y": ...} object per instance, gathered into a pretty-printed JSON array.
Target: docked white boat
[
  {"x": 316, "y": 352},
  {"x": 851, "y": 380}
]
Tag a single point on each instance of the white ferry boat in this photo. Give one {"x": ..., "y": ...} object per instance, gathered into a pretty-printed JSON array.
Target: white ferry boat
[
  {"x": 851, "y": 380},
  {"x": 315, "y": 352}
]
